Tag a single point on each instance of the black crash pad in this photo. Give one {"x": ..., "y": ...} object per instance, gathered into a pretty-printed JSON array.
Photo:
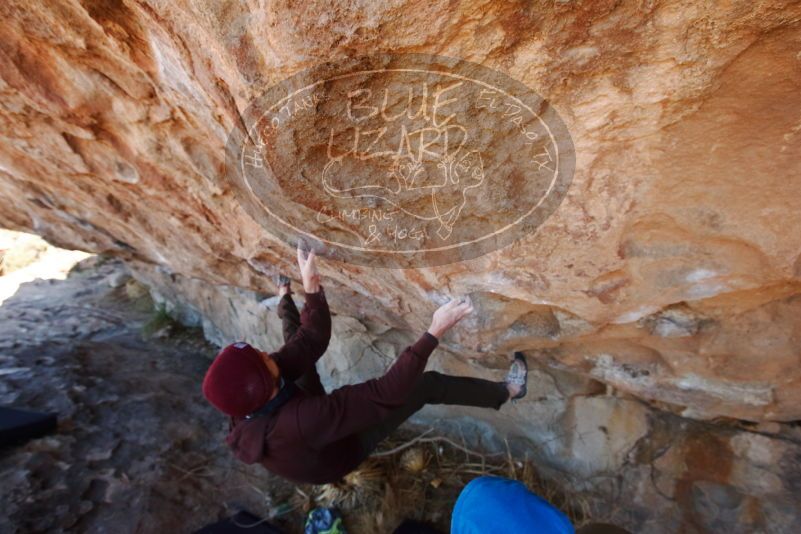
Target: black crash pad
[
  {"x": 410, "y": 526},
  {"x": 18, "y": 426}
]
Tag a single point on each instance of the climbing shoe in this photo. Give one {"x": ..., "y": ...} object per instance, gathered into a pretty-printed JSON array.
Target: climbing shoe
[
  {"x": 282, "y": 280},
  {"x": 518, "y": 375}
]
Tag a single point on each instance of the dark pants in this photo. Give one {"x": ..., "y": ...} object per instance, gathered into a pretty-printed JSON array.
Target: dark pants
[
  {"x": 436, "y": 388},
  {"x": 432, "y": 388}
]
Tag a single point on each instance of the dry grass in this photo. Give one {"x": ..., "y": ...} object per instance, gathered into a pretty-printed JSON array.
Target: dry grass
[
  {"x": 361, "y": 486},
  {"x": 414, "y": 476},
  {"x": 420, "y": 477}
]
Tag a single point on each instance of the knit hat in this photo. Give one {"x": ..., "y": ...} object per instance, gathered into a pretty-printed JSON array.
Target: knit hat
[{"x": 238, "y": 382}]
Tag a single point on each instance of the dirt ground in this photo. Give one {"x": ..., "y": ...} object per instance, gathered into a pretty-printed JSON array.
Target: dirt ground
[{"x": 137, "y": 447}]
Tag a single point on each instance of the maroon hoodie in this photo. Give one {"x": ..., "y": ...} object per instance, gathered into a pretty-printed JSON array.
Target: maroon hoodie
[{"x": 312, "y": 438}]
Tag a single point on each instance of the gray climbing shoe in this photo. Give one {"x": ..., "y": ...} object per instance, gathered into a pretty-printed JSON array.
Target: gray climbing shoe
[
  {"x": 282, "y": 280},
  {"x": 518, "y": 375}
]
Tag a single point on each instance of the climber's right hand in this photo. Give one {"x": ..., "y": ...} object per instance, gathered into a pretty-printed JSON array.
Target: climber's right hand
[
  {"x": 448, "y": 315},
  {"x": 308, "y": 270}
]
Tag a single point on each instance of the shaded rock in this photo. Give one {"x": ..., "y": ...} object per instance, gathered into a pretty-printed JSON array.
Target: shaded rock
[
  {"x": 602, "y": 431},
  {"x": 137, "y": 443},
  {"x": 118, "y": 279},
  {"x": 674, "y": 321}
]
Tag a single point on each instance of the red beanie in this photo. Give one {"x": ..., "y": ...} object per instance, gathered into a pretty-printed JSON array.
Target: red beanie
[{"x": 238, "y": 382}]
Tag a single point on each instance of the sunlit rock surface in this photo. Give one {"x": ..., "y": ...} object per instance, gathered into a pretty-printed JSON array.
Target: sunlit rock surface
[
  {"x": 671, "y": 272},
  {"x": 684, "y": 117}
]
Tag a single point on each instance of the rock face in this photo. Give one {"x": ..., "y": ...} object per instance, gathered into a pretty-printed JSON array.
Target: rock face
[
  {"x": 642, "y": 467},
  {"x": 670, "y": 273}
]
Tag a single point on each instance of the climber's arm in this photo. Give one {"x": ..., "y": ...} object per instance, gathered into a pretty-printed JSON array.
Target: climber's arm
[
  {"x": 309, "y": 342},
  {"x": 351, "y": 409}
]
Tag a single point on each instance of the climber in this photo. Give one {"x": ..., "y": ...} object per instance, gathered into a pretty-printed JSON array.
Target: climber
[{"x": 281, "y": 417}]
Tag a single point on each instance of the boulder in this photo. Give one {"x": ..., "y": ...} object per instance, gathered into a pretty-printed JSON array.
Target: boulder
[
  {"x": 669, "y": 252},
  {"x": 668, "y": 273}
]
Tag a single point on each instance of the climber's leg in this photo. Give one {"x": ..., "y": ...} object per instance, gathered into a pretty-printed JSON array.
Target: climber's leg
[
  {"x": 436, "y": 388},
  {"x": 290, "y": 322}
]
